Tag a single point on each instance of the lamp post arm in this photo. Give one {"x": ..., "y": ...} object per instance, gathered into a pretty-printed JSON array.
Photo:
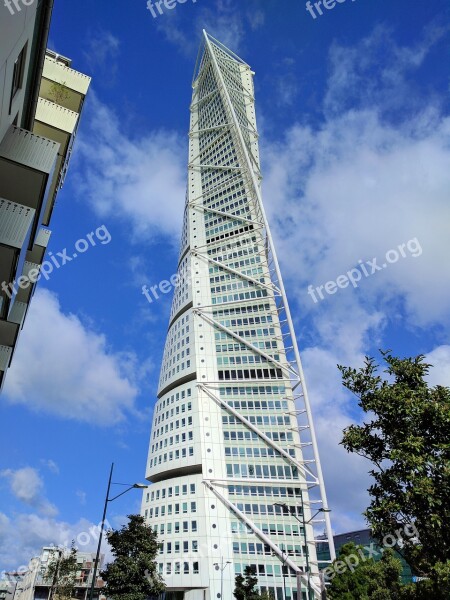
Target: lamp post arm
[{"x": 121, "y": 493}]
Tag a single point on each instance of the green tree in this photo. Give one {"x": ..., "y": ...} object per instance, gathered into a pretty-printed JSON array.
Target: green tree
[
  {"x": 246, "y": 586},
  {"x": 61, "y": 573},
  {"x": 133, "y": 574},
  {"x": 406, "y": 436},
  {"x": 364, "y": 579}
]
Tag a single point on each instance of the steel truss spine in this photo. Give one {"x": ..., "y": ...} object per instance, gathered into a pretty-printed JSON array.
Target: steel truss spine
[{"x": 253, "y": 183}]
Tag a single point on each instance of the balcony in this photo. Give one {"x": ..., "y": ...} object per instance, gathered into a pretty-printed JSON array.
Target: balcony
[
  {"x": 59, "y": 124},
  {"x": 8, "y": 339},
  {"x": 78, "y": 84},
  {"x": 16, "y": 224},
  {"x": 27, "y": 162}
]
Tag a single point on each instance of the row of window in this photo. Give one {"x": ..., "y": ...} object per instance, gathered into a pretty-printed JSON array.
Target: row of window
[
  {"x": 224, "y": 226},
  {"x": 174, "y": 411},
  {"x": 228, "y": 251},
  {"x": 171, "y": 491},
  {"x": 209, "y": 198},
  {"x": 282, "y": 529},
  {"x": 252, "y": 390},
  {"x": 236, "y": 347},
  {"x": 245, "y": 321},
  {"x": 246, "y": 333},
  {"x": 172, "y": 455},
  {"x": 178, "y": 438},
  {"x": 237, "y": 285},
  {"x": 172, "y": 372},
  {"x": 178, "y": 547},
  {"x": 267, "y": 509},
  {"x": 252, "y": 272},
  {"x": 248, "y": 359},
  {"x": 231, "y": 374},
  {"x": 245, "y": 262},
  {"x": 276, "y": 436},
  {"x": 171, "y": 360},
  {"x": 177, "y": 568},
  {"x": 267, "y": 490},
  {"x": 171, "y": 426},
  {"x": 255, "y": 452},
  {"x": 259, "y": 404},
  {"x": 176, "y": 527},
  {"x": 224, "y": 236},
  {"x": 263, "y": 549},
  {"x": 169, "y": 509},
  {"x": 173, "y": 398},
  {"x": 241, "y": 310},
  {"x": 262, "y": 471},
  {"x": 259, "y": 419}
]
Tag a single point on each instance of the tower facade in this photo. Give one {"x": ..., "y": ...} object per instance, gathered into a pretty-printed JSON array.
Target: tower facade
[{"x": 233, "y": 457}]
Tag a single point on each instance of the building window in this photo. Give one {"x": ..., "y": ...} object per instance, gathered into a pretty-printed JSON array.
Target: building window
[{"x": 17, "y": 78}]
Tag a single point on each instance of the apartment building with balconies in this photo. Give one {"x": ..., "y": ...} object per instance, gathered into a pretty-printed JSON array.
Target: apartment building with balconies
[
  {"x": 34, "y": 584},
  {"x": 41, "y": 99}
]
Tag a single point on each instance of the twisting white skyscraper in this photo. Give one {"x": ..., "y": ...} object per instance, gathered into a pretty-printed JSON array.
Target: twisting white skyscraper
[{"x": 233, "y": 457}]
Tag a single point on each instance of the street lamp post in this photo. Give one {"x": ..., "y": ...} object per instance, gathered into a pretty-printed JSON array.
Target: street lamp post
[
  {"x": 222, "y": 568},
  {"x": 108, "y": 499},
  {"x": 292, "y": 512}
]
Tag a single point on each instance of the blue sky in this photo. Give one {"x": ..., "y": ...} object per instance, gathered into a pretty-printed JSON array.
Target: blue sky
[{"x": 354, "y": 122}]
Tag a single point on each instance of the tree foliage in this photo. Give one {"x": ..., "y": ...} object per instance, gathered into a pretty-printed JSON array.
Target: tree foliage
[
  {"x": 59, "y": 92},
  {"x": 61, "y": 573},
  {"x": 246, "y": 586},
  {"x": 368, "y": 579},
  {"x": 133, "y": 574},
  {"x": 406, "y": 435}
]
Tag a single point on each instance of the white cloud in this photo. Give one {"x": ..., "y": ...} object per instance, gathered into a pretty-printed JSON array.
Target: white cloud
[
  {"x": 51, "y": 466},
  {"x": 102, "y": 48},
  {"x": 27, "y": 486},
  {"x": 141, "y": 180},
  {"x": 355, "y": 189},
  {"x": 23, "y": 537},
  {"x": 440, "y": 371},
  {"x": 81, "y": 496},
  {"x": 222, "y": 21},
  {"x": 76, "y": 376}
]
